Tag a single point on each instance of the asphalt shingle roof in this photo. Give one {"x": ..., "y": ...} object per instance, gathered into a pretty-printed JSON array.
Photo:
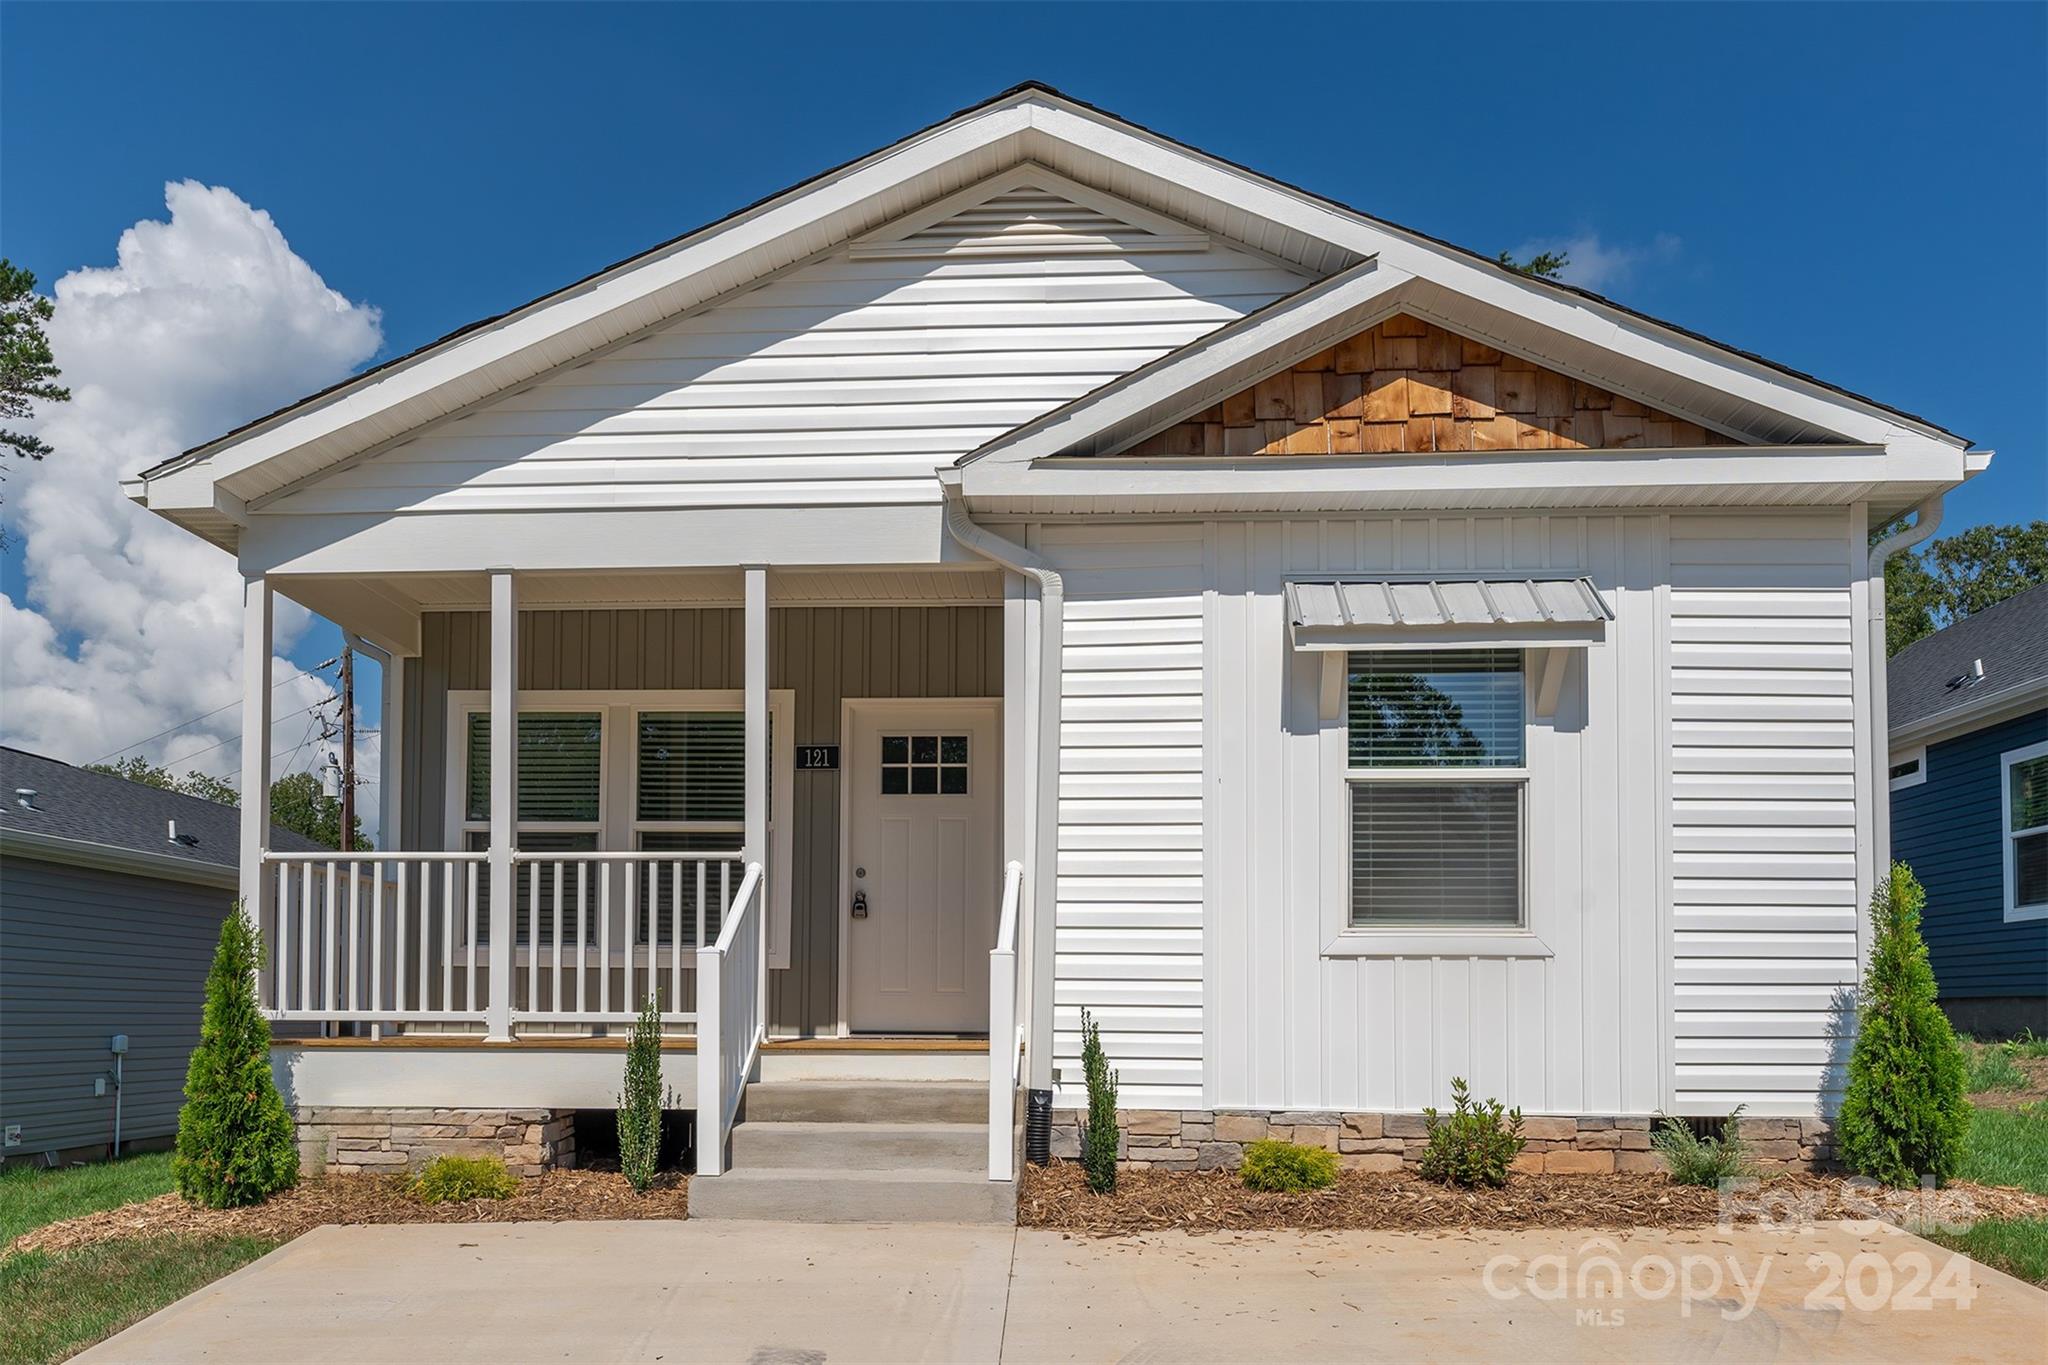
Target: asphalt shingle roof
[
  {"x": 71, "y": 803},
  {"x": 2011, "y": 638}
]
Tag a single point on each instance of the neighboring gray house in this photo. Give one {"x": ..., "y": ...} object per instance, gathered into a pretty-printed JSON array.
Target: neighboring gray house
[
  {"x": 111, "y": 898},
  {"x": 1969, "y": 782}
]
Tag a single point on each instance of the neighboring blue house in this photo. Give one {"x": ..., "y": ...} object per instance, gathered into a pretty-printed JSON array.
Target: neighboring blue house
[{"x": 1969, "y": 783}]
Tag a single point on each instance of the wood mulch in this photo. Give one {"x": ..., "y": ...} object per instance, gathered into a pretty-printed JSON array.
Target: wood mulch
[
  {"x": 556, "y": 1197},
  {"x": 1057, "y": 1197}
]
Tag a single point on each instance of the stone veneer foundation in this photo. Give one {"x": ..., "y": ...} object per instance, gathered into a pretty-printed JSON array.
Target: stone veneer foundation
[
  {"x": 386, "y": 1141},
  {"x": 1206, "y": 1140}
]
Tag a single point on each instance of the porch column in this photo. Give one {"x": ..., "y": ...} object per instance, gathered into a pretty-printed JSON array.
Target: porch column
[
  {"x": 757, "y": 756},
  {"x": 256, "y": 684},
  {"x": 504, "y": 796}
]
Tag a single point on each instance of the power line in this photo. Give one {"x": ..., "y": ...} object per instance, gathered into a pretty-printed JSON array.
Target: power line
[
  {"x": 237, "y": 739},
  {"x": 214, "y": 712}
]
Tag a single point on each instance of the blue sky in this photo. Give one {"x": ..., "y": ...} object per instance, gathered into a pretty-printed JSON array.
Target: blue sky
[{"x": 1856, "y": 191}]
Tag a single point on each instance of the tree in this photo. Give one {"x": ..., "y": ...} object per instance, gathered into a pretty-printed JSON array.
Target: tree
[
  {"x": 640, "y": 1103},
  {"x": 1099, "y": 1136},
  {"x": 1905, "y": 1112},
  {"x": 28, "y": 369},
  {"x": 1957, "y": 576},
  {"x": 1544, "y": 265},
  {"x": 236, "y": 1145},
  {"x": 298, "y": 802}
]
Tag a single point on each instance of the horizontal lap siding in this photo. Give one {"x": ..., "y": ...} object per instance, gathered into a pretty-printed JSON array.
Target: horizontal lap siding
[
  {"x": 1129, "y": 920},
  {"x": 1290, "y": 1027},
  {"x": 845, "y": 381},
  {"x": 1948, "y": 829},
  {"x": 1764, "y": 830},
  {"x": 85, "y": 955},
  {"x": 823, "y": 654}
]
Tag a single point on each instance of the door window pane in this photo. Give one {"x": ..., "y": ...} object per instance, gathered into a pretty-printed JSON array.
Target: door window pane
[{"x": 924, "y": 765}]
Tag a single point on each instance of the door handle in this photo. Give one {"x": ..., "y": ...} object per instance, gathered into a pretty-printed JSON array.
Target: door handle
[{"x": 860, "y": 905}]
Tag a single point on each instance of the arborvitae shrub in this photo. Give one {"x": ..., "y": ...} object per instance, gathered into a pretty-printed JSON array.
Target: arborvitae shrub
[
  {"x": 451, "y": 1179},
  {"x": 1287, "y": 1167},
  {"x": 1475, "y": 1145},
  {"x": 1098, "y": 1137},
  {"x": 235, "y": 1140},
  {"x": 1905, "y": 1112},
  {"x": 640, "y": 1104}
]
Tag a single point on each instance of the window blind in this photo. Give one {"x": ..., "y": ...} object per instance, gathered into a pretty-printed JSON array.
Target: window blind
[
  {"x": 1437, "y": 854},
  {"x": 693, "y": 766},
  {"x": 561, "y": 756},
  {"x": 2028, "y": 800},
  {"x": 1442, "y": 708}
]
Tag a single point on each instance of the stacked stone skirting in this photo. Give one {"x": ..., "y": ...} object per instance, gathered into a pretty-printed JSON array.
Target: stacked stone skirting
[
  {"x": 1205, "y": 1140},
  {"x": 387, "y": 1141}
]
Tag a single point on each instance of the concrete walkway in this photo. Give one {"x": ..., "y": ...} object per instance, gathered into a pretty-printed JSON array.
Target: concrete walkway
[{"x": 788, "y": 1294}]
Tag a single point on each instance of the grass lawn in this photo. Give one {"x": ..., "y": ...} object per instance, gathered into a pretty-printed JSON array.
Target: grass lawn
[
  {"x": 54, "y": 1305},
  {"x": 2008, "y": 1145}
]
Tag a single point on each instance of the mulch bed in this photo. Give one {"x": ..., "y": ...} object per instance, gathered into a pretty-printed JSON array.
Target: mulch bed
[
  {"x": 557, "y": 1197},
  {"x": 1057, "y": 1197}
]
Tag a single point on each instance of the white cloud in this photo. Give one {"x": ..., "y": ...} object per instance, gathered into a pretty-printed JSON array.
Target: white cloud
[
  {"x": 1599, "y": 265},
  {"x": 129, "y": 625}
]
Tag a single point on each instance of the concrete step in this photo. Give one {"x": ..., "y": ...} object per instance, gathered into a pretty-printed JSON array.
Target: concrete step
[
  {"x": 867, "y": 1102},
  {"x": 860, "y": 1146},
  {"x": 836, "y": 1195}
]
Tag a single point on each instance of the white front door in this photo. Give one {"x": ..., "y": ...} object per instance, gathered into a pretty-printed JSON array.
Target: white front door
[{"x": 922, "y": 790}]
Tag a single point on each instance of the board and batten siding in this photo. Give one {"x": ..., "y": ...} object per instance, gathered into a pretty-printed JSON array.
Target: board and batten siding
[
  {"x": 1128, "y": 922},
  {"x": 823, "y": 654},
  {"x": 86, "y": 954},
  {"x": 845, "y": 381},
  {"x": 1768, "y": 873}
]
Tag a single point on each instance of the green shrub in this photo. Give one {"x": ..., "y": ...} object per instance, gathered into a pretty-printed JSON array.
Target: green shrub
[
  {"x": 1992, "y": 1068},
  {"x": 1287, "y": 1167},
  {"x": 235, "y": 1140},
  {"x": 452, "y": 1179},
  {"x": 1098, "y": 1137},
  {"x": 1702, "y": 1159},
  {"x": 641, "y": 1102},
  {"x": 1904, "y": 1111},
  {"x": 1475, "y": 1145}
]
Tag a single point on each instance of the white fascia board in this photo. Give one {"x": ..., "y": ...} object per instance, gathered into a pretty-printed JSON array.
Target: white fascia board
[
  {"x": 1571, "y": 314},
  {"x": 1975, "y": 714},
  {"x": 1730, "y": 475},
  {"x": 52, "y": 848}
]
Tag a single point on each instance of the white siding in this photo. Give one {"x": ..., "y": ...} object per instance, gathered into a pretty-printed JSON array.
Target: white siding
[
  {"x": 1291, "y": 1028},
  {"x": 847, "y": 380},
  {"x": 1129, "y": 921},
  {"x": 1764, "y": 789}
]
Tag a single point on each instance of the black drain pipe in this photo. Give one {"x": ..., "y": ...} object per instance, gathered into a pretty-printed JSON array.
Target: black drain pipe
[{"x": 1038, "y": 1127}]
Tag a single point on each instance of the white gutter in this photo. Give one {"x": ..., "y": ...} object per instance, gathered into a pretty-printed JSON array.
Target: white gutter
[
  {"x": 1044, "y": 835},
  {"x": 1926, "y": 521},
  {"x": 55, "y": 848}
]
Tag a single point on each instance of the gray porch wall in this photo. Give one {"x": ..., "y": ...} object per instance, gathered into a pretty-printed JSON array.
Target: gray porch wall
[{"x": 822, "y": 654}]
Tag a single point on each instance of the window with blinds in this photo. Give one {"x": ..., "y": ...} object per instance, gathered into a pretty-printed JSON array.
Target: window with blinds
[
  {"x": 561, "y": 764},
  {"x": 690, "y": 795},
  {"x": 2026, "y": 831},
  {"x": 1435, "y": 753}
]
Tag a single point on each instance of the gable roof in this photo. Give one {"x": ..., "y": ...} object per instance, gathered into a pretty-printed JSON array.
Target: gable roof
[
  {"x": 208, "y": 487},
  {"x": 1928, "y": 682},
  {"x": 104, "y": 812}
]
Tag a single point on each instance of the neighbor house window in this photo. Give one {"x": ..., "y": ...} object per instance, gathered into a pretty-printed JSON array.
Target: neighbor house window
[
  {"x": 2025, "y": 808},
  {"x": 1908, "y": 769},
  {"x": 1437, "y": 785},
  {"x": 561, "y": 805}
]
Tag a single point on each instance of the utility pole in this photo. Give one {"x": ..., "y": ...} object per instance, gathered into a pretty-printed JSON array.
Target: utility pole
[{"x": 348, "y": 749}]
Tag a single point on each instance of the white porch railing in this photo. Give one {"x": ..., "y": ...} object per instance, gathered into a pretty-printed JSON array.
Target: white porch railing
[
  {"x": 1005, "y": 1032},
  {"x": 405, "y": 937},
  {"x": 732, "y": 1017}
]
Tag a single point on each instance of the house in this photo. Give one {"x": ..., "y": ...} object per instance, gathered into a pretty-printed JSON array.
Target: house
[
  {"x": 1969, "y": 789},
  {"x": 111, "y": 900},
  {"x": 1042, "y": 567}
]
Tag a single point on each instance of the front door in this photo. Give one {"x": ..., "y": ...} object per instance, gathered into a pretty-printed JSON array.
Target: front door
[{"x": 921, "y": 877}]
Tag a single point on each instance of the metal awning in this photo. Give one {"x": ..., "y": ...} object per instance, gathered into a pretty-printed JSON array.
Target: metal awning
[{"x": 1428, "y": 612}]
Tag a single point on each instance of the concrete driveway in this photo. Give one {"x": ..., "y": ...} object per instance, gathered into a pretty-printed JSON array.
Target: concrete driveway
[{"x": 786, "y": 1294}]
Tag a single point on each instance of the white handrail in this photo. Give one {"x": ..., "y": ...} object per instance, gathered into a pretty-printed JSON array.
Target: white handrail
[
  {"x": 732, "y": 1018},
  {"x": 1005, "y": 1031}
]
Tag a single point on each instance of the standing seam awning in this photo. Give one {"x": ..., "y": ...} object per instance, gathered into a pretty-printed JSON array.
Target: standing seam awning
[{"x": 1421, "y": 613}]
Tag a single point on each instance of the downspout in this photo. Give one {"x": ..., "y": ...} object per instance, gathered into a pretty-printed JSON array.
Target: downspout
[
  {"x": 1926, "y": 521},
  {"x": 1045, "y": 822}
]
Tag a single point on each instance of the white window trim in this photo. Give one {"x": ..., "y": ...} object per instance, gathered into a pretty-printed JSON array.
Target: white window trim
[
  {"x": 1916, "y": 755},
  {"x": 1343, "y": 939},
  {"x": 617, "y": 828},
  {"x": 2007, "y": 836}
]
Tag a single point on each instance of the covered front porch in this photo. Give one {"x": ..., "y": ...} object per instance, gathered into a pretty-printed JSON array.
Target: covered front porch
[{"x": 785, "y": 807}]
